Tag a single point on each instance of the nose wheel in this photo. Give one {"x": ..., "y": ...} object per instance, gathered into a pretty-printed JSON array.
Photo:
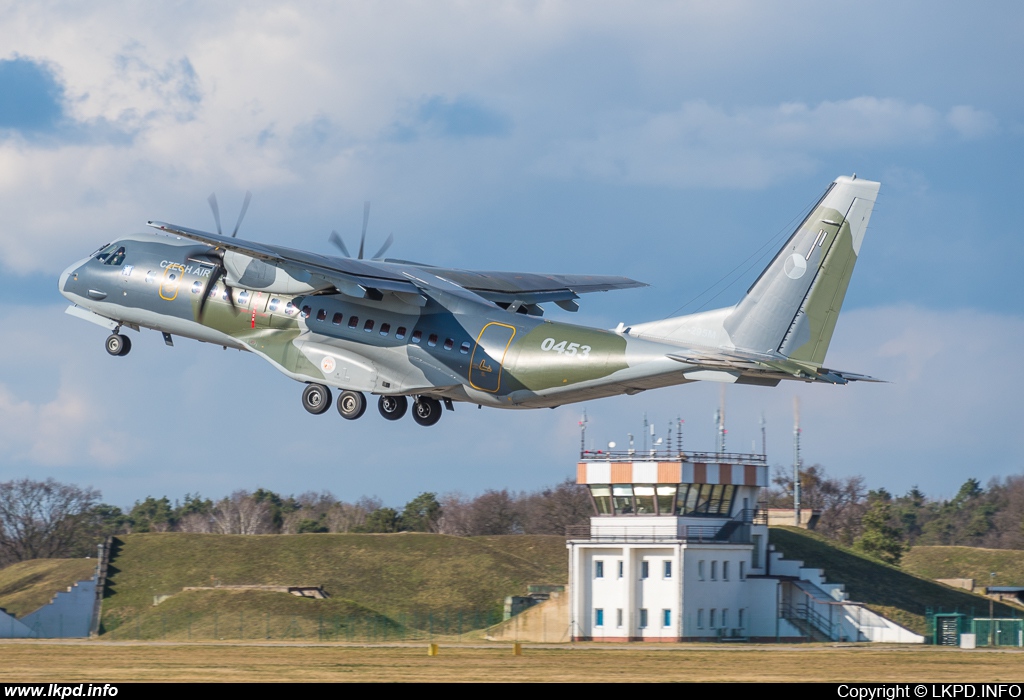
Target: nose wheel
[
  {"x": 316, "y": 398},
  {"x": 118, "y": 344},
  {"x": 426, "y": 410},
  {"x": 351, "y": 404},
  {"x": 392, "y": 407}
]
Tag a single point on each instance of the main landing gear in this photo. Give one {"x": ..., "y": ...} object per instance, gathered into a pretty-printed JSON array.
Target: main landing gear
[
  {"x": 316, "y": 398},
  {"x": 118, "y": 344}
]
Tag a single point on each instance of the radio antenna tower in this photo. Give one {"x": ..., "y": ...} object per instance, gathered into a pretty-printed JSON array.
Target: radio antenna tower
[
  {"x": 721, "y": 420},
  {"x": 764, "y": 438},
  {"x": 796, "y": 460},
  {"x": 583, "y": 432}
]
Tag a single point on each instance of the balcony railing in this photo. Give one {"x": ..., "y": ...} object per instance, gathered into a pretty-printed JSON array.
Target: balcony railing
[{"x": 671, "y": 456}]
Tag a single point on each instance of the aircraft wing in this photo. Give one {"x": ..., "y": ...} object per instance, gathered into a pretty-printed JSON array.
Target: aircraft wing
[
  {"x": 507, "y": 289},
  {"x": 768, "y": 366}
]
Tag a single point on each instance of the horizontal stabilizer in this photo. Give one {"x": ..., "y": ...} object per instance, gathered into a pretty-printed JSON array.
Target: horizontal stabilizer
[{"x": 766, "y": 366}]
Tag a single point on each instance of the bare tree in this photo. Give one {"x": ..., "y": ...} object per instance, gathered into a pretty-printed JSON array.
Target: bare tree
[
  {"x": 551, "y": 511},
  {"x": 42, "y": 519},
  {"x": 241, "y": 514},
  {"x": 455, "y": 515},
  {"x": 196, "y": 522}
]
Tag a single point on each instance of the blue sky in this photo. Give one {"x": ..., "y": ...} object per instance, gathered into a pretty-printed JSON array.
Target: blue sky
[{"x": 666, "y": 141}]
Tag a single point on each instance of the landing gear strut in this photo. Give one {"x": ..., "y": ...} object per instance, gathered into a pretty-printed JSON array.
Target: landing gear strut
[
  {"x": 426, "y": 410},
  {"x": 392, "y": 407},
  {"x": 316, "y": 398},
  {"x": 351, "y": 405},
  {"x": 118, "y": 344}
]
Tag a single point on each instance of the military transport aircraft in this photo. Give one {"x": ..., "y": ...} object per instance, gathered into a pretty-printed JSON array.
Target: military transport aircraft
[{"x": 407, "y": 331}]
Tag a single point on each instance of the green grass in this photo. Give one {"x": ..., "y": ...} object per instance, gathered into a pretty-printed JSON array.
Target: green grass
[
  {"x": 28, "y": 585},
  {"x": 893, "y": 592},
  {"x": 968, "y": 562},
  {"x": 408, "y": 576},
  {"x": 547, "y": 552}
]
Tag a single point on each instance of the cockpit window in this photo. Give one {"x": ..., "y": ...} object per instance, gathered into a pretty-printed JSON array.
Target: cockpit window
[
  {"x": 105, "y": 252},
  {"x": 116, "y": 258}
]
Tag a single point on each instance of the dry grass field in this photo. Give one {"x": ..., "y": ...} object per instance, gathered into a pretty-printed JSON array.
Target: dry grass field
[{"x": 38, "y": 661}]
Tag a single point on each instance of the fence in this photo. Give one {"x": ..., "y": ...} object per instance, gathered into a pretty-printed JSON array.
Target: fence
[
  {"x": 945, "y": 628},
  {"x": 324, "y": 628}
]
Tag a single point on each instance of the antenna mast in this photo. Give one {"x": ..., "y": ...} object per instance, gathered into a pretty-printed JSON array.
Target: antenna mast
[
  {"x": 796, "y": 460},
  {"x": 583, "y": 432},
  {"x": 721, "y": 420}
]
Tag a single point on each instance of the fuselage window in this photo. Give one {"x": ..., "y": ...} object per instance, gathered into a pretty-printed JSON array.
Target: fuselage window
[
  {"x": 337, "y": 319},
  {"x": 305, "y": 311},
  {"x": 385, "y": 328},
  {"x": 243, "y": 298},
  {"x": 117, "y": 258},
  {"x": 417, "y": 336},
  {"x": 353, "y": 321},
  {"x": 400, "y": 333},
  {"x": 321, "y": 315},
  {"x": 432, "y": 340},
  {"x": 197, "y": 287},
  {"x": 368, "y": 326},
  {"x": 213, "y": 291},
  {"x": 449, "y": 344},
  {"x": 464, "y": 348},
  {"x": 150, "y": 276},
  {"x": 289, "y": 308},
  {"x": 272, "y": 306}
]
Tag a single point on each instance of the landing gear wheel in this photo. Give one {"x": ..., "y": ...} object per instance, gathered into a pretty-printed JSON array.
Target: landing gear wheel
[
  {"x": 316, "y": 398},
  {"x": 392, "y": 407},
  {"x": 351, "y": 405},
  {"x": 118, "y": 344},
  {"x": 426, "y": 411}
]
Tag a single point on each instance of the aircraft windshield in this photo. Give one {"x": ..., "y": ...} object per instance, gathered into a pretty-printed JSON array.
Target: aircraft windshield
[{"x": 104, "y": 252}]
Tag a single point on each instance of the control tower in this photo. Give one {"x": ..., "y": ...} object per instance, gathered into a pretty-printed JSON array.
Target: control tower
[{"x": 676, "y": 549}]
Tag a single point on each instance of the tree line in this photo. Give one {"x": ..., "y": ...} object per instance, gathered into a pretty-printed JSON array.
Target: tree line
[
  {"x": 46, "y": 519},
  {"x": 884, "y": 525}
]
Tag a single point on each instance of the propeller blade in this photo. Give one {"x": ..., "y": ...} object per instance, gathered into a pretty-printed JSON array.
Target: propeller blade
[
  {"x": 340, "y": 244},
  {"x": 218, "y": 271},
  {"x": 366, "y": 220},
  {"x": 241, "y": 214},
  {"x": 216, "y": 211},
  {"x": 383, "y": 248}
]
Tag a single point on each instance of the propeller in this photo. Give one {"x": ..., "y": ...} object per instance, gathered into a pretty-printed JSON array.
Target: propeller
[
  {"x": 219, "y": 270},
  {"x": 336, "y": 239}
]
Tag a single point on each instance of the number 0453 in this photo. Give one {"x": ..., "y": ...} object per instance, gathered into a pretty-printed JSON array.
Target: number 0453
[{"x": 564, "y": 347}]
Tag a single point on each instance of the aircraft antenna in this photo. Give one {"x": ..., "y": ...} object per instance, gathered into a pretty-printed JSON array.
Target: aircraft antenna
[{"x": 796, "y": 460}]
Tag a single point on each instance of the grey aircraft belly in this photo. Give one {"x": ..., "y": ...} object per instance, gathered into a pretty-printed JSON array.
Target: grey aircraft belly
[{"x": 402, "y": 330}]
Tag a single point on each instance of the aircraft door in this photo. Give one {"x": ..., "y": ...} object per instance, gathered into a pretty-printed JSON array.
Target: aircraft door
[{"x": 488, "y": 356}]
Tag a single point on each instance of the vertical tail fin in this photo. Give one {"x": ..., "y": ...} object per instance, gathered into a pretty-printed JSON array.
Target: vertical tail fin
[{"x": 793, "y": 306}]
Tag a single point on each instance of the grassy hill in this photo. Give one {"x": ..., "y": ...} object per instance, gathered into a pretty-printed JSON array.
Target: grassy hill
[
  {"x": 388, "y": 581},
  {"x": 898, "y": 594},
  {"x": 28, "y": 585},
  {"x": 968, "y": 562}
]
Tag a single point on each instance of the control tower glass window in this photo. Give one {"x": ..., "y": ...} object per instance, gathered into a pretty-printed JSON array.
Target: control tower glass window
[
  {"x": 644, "y": 499},
  {"x": 622, "y": 499},
  {"x": 666, "y": 499},
  {"x": 705, "y": 499},
  {"x": 602, "y": 499}
]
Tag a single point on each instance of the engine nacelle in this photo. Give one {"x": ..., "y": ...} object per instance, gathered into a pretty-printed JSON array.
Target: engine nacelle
[{"x": 251, "y": 273}]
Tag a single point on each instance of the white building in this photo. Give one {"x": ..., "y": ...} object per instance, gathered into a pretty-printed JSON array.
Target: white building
[{"x": 678, "y": 551}]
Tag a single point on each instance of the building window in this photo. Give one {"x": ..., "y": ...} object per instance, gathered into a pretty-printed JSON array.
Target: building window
[
  {"x": 337, "y": 319},
  {"x": 598, "y": 569},
  {"x": 714, "y": 571},
  {"x": 667, "y": 568},
  {"x": 400, "y": 333},
  {"x": 598, "y": 617},
  {"x": 666, "y": 618},
  {"x": 353, "y": 321},
  {"x": 725, "y": 570},
  {"x": 755, "y": 553},
  {"x": 321, "y": 315},
  {"x": 741, "y": 616},
  {"x": 620, "y": 569},
  {"x": 725, "y": 617},
  {"x": 743, "y": 571},
  {"x": 368, "y": 326},
  {"x": 643, "y": 617},
  {"x": 645, "y": 570},
  {"x": 618, "y": 617},
  {"x": 700, "y": 618},
  {"x": 700, "y": 570},
  {"x": 714, "y": 618}
]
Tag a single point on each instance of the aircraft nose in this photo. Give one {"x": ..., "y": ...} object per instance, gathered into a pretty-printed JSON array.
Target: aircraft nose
[{"x": 62, "y": 282}]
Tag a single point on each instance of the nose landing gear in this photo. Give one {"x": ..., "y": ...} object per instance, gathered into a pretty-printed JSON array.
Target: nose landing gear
[{"x": 118, "y": 345}]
